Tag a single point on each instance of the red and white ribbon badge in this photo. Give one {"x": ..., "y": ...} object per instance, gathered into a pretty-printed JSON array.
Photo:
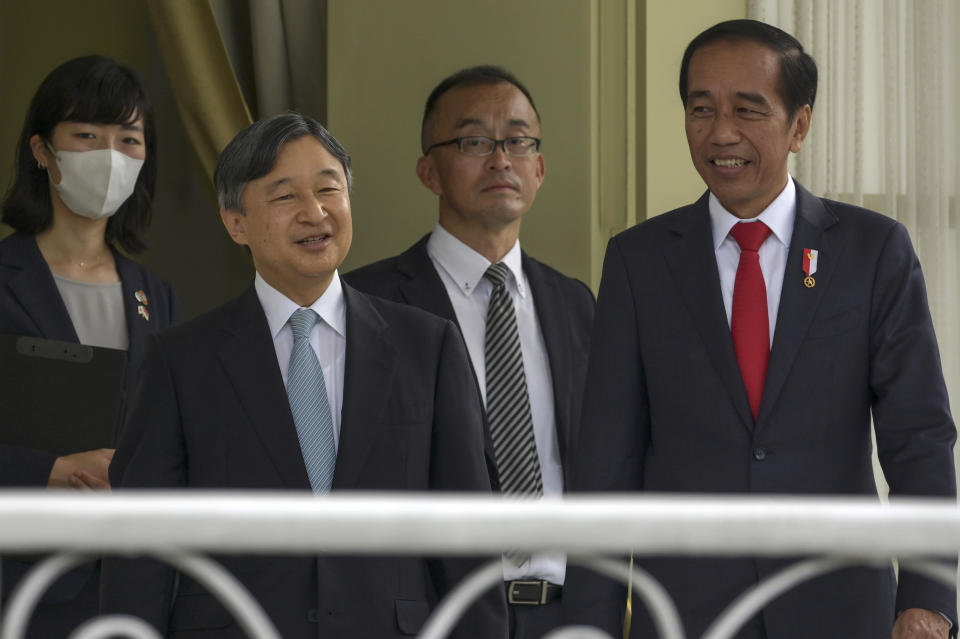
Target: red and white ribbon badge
[{"x": 810, "y": 257}]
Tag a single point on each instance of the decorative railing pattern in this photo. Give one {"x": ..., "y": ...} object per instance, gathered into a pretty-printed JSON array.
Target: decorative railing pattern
[{"x": 178, "y": 527}]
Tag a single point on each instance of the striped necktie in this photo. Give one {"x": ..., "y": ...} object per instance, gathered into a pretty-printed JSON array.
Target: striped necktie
[
  {"x": 508, "y": 404},
  {"x": 307, "y": 393}
]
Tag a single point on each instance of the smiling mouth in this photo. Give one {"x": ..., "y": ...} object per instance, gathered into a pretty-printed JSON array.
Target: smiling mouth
[
  {"x": 730, "y": 163},
  {"x": 314, "y": 239}
]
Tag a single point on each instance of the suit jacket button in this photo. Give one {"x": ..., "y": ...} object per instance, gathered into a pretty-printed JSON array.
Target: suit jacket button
[
  {"x": 759, "y": 454},
  {"x": 312, "y": 616}
]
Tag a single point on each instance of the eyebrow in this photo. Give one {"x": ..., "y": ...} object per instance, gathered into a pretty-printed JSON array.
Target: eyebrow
[
  {"x": 333, "y": 173},
  {"x": 132, "y": 127},
  {"x": 273, "y": 186},
  {"x": 753, "y": 98},
  {"x": 465, "y": 122}
]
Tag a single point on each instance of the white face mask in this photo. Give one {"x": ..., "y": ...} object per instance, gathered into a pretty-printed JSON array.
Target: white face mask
[{"x": 96, "y": 183}]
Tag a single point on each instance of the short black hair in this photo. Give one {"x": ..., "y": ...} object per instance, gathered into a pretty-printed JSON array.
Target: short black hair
[
  {"x": 253, "y": 153},
  {"x": 474, "y": 76},
  {"x": 90, "y": 89},
  {"x": 798, "y": 70}
]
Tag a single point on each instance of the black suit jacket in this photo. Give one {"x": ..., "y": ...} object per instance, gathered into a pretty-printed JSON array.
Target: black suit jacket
[
  {"x": 30, "y": 304},
  {"x": 666, "y": 409},
  {"x": 211, "y": 411},
  {"x": 564, "y": 308}
]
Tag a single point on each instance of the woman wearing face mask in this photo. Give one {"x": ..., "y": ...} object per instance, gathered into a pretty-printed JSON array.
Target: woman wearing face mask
[{"x": 84, "y": 180}]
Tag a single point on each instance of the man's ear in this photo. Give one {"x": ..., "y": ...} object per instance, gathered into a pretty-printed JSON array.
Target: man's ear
[
  {"x": 427, "y": 172},
  {"x": 801, "y": 127},
  {"x": 235, "y": 223},
  {"x": 541, "y": 170}
]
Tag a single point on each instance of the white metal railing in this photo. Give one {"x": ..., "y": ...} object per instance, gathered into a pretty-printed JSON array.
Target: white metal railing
[{"x": 846, "y": 530}]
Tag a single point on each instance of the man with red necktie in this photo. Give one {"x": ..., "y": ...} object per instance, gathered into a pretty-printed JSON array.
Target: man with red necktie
[{"x": 740, "y": 346}]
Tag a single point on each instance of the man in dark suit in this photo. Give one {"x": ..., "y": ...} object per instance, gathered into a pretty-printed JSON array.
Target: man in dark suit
[
  {"x": 480, "y": 139},
  {"x": 260, "y": 393},
  {"x": 722, "y": 363}
]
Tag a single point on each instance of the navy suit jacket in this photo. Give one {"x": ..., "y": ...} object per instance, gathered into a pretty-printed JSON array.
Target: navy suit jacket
[
  {"x": 211, "y": 412},
  {"x": 564, "y": 308},
  {"x": 666, "y": 410},
  {"x": 30, "y": 304}
]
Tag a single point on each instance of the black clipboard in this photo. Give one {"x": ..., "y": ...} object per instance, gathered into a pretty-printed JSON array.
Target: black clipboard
[{"x": 60, "y": 397}]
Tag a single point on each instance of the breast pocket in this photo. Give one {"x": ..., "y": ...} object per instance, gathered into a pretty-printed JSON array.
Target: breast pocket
[
  {"x": 836, "y": 323},
  {"x": 398, "y": 457}
]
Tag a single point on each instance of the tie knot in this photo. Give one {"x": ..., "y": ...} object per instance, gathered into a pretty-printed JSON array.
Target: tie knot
[
  {"x": 302, "y": 322},
  {"x": 750, "y": 235},
  {"x": 497, "y": 273}
]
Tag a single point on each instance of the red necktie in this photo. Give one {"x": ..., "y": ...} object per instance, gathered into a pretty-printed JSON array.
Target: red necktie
[{"x": 749, "y": 324}]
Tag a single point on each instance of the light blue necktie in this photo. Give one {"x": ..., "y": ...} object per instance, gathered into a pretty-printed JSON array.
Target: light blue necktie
[{"x": 308, "y": 403}]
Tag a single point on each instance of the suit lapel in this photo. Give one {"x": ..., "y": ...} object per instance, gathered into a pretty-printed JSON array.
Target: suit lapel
[
  {"x": 35, "y": 289},
  {"x": 556, "y": 337},
  {"x": 370, "y": 366},
  {"x": 798, "y": 303},
  {"x": 424, "y": 288},
  {"x": 131, "y": 281},
  {"x": 693, "y": 264},
  {"x": 250, "y": 364}
]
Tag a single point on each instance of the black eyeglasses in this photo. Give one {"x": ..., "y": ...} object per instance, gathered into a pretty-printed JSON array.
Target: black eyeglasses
[{"x": 518, "y": 145}]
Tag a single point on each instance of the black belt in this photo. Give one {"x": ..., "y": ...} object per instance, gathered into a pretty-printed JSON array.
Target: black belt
[{"x": 532, "y": 592}]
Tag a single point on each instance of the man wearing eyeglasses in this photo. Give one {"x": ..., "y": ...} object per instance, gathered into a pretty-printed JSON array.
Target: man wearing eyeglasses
[{"x": 526, "y": 326}]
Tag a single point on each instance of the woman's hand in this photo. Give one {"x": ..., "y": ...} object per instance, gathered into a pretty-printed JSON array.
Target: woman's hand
[{"x": 86, "y": 470}]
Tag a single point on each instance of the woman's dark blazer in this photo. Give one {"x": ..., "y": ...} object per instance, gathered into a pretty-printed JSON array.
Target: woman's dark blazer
[{"x": 30, "y": 304}]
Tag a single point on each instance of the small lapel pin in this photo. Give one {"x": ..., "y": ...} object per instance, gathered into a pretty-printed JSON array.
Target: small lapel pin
[
  {"x": 141, "y": 297},
  {"x": 810, "y": 258},
  {"x": 143, "y": 312}
]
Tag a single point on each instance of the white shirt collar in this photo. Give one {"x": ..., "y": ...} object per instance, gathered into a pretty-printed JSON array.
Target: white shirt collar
[
  {"x": 331, "y": 306},
  {"x": 465, "y": 265},
  {"x": 779, "y": 216}
]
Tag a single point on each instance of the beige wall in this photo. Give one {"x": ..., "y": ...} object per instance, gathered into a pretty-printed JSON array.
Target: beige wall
[
  {"x": 386, "y": 56},
  {"x": 574, "y": 56},
  {"x": 671, "y": 178}
]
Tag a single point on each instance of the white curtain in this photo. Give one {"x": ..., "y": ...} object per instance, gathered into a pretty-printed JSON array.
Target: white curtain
[{"x": 885, "y": 129}]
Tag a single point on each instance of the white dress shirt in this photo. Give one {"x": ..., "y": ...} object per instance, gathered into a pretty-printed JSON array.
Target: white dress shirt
[
  {"x": 328, "y": 337},
  {"x": 779, "y": 216},
  {"x": 461, "y": 269}
]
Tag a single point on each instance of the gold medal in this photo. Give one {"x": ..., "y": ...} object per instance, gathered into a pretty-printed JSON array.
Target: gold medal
[{"x": 809, "y": 282}]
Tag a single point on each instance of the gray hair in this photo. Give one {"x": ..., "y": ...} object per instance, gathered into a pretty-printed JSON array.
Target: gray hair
[{"x": 253, "y": 153}]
